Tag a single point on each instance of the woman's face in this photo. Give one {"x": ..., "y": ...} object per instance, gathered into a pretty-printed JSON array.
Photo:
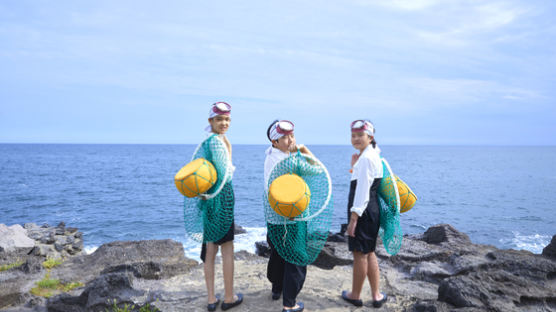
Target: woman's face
[
  {"x": 360, "y": 140},
  {"x": 220, "y": 123},
  {"x": 285, "y": 143}
]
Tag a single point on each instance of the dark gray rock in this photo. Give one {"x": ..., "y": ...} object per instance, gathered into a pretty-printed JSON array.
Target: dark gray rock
[
  {"x": 77, "y": 244},
  {"x": 110, "y": 271},
  {"x": 58, "y": 247},
  {"x": 328, "y": 258},
  {"x": 151, "y": 258},
  {"x": 247, "y": 256},
  {"x": 71, "y": 230},
  {"x": 262, "y": 249},
  {"x": 60, "y": 230},
  {"x": 98, "y": 295},
  {"x": 445, "y": 233},
  {"x": 239, "y": 230},
  {"x": 48, "y": 238},
  {"x": 114, "y": 286},
  {"x": 550, "y": 250},
  {"x": 70, "y": 240},
  {"x": 337, "y": 238},
  {"x": 12, "y": 285},
  {"x": 32, "y": 265}
]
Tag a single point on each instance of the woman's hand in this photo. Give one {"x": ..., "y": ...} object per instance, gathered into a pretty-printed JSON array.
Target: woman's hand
[
  {"x": 354, "y": 159},
  {"x": 303, "y": 149},
  {"x": 352, "y": 224}
]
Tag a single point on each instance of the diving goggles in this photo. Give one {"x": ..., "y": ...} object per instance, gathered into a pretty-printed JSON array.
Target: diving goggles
[{"x": 221, "y": 108}]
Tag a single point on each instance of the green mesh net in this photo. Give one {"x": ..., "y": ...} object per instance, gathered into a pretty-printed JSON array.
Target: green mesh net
[
  {"x": 390, "y": 230},
  {"x": 299, "y": 240},
  {"x": 209, "y": 219}
]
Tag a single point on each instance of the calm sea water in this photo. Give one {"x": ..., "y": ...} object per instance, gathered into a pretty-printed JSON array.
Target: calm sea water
[{"x": 503, "y": 196}]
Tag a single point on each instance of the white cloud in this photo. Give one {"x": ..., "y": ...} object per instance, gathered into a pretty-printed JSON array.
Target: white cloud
[
  {"x": 410, "y": 5},
  {"x": 460, "y": 27}
]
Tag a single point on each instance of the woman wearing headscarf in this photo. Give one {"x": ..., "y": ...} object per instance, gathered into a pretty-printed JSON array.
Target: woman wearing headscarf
[
  {"x": 364, "y": 213},
  {"x": 286, "y": 278},
  {"x": 219, "y": 123}
]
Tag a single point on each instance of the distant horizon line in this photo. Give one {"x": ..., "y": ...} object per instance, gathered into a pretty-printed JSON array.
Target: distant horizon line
[{"x": 259, "y": 144}]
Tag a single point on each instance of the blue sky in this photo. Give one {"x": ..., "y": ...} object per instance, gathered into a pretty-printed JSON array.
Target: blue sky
[{"x": 424, "y": 71}]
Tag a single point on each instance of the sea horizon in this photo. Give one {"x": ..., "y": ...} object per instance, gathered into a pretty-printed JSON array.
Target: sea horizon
[{"x": 497, "y": 195}]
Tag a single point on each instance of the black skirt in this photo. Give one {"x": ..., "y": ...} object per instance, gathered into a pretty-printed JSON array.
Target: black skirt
[
  {"x": 229, "y": 236},
  {"x": 368, "y": 224}
]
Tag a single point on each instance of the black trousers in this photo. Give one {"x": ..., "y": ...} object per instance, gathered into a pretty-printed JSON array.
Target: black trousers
[{"x": 286, "y": 278}]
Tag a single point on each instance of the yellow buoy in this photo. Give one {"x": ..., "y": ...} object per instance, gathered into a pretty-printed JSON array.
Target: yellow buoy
[
  {"x": 407, "y": 197},
  {"x": 289, "y": 195},
  {"x": 196, "y": 177}
]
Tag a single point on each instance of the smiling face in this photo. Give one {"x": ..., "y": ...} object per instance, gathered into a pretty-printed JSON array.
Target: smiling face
[
  {"x": 360, "y": 140},
  {"x": 220, "y": 123},
  {"x": 285, "y": 143}
]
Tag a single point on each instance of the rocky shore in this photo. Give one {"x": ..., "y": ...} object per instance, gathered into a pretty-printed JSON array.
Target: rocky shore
[{"x": 438, "y": 270}]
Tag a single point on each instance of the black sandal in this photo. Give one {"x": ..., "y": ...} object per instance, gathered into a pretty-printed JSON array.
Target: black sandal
[
  {"x": 299, "y": 308},
  {"x": 379, "y": 303},
  {"x": 355, "y": 302},
  {"x": 225, "y": 306},
  {"x": 212, "y": 306}
]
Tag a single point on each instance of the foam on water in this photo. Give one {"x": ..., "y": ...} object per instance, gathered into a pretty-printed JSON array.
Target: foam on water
[
  {"x": 244, "y": 241},
  {"x": 89, "y": 249},
  {"x": 533, "y": 243}
]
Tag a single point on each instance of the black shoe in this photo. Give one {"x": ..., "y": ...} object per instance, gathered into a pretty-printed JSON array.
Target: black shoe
[
  {"x": 213, "y": 306},
  {"x": 299, "y": 308},
  {"x": 355, "y": 302},
  {"x": 379, "y": 303},
  {"x": 276, "y": 295},
  {"x": 225, "y": 306}
]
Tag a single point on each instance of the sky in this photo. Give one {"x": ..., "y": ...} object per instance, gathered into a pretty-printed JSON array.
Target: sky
[{"x": 425, "y": 72}]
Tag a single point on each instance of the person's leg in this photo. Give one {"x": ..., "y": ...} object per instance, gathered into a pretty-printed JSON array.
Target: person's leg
[
  {"x": 294, "y": 277},
  {"x": 359, "y": 274},
  {"x": 211, "y": 250},
  {"x": 228, "y": 270},
  {"x": 373, "y": 274},
  {"x": 275, "y": 269}
]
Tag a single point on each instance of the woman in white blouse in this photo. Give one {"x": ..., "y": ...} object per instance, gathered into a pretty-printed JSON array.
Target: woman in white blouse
[
  {"x": 287, "y": 279},
  {"x": 364, "y": 213}
]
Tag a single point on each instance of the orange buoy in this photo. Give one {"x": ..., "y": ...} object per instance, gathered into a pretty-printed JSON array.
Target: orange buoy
[
  {"x": 196, "y": 177},
  {"x": 289, "y": 195}
]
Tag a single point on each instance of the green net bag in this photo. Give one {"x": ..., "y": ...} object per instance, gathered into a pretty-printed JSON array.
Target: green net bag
[
  {"x": 390, "y": 230},
  {"x": 299, "y": 240},
  {"x": 208, "y": 217}
]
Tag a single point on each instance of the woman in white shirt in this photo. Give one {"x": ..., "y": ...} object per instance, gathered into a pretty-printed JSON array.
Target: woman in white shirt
[
  {"x": 364, "y": 213},
  {"x": 286, "y": 278}
]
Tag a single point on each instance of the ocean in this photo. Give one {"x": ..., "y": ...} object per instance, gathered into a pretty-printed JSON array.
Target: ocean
[{"x": 499, "y": 195}]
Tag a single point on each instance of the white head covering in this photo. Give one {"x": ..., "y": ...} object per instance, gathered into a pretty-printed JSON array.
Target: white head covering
[
  {"x": 219, "y": 108},
  {"x": 279, "y": 128},
  {"x": 363, "y": 126}
]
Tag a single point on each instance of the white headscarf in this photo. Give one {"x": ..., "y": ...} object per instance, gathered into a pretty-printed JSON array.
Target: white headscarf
[
  {"x": 279, "y": 128},
  {"x": 363, "y": 126},
  {"x": 219, "y": 108}
]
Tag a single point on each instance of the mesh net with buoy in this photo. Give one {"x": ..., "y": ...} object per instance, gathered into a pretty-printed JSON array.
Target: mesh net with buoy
[
  {"x": 394, "y": 197},
  {"x": 298, "y": 208},
  {"x": 209, "y": 213}
]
